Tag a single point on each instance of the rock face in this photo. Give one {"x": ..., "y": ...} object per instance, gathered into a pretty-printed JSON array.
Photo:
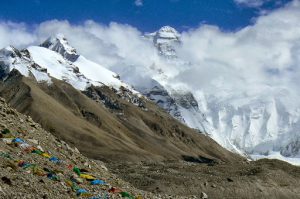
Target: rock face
[
  {"x": 97, "y": 95},
  {"x": 186, "y": 100},
  {"x": 292, "y": 149},
  {"x": 60, "y": 44},
  {"x": 162, "y": 98}
]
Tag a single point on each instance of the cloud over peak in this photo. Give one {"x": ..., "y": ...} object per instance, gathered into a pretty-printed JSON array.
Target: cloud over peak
[{"x": 139, "y": 3}]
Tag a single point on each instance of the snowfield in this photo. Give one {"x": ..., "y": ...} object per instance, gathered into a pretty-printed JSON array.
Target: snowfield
[{"x": 68, "y": 66}]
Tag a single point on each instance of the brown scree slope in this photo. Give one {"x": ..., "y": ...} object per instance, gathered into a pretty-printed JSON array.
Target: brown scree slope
[{"x": 101, "y": 133}]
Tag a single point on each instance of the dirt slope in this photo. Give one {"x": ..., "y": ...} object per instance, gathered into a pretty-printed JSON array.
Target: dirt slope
[
  {"x": 131, "y": 133},
  {"x": 263, "y": 179},
  {"x": 26, "y": 173}
]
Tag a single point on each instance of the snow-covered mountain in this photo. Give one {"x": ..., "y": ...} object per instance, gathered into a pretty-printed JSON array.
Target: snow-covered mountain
[
  {"x": 260, "y": 122},
  {"x": 165, "y": 39},
  {"x": 56, "y": 58}
]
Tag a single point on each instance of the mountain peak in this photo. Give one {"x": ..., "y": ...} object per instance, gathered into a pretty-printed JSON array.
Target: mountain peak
[
  {"x": 165, "y": 39},
  {"x": 60, "y": 44},
  {"x": 168, "y": 32}
]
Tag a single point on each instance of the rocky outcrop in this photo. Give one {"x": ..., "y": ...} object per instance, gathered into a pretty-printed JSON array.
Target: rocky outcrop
[
  {"x": 60, "y": 44},
  {"x": 292, "y": 149},
  {"x": 97, "y": 95},
  {"x": 186, "y": 100},
  {"x": 163, "y": 99}
]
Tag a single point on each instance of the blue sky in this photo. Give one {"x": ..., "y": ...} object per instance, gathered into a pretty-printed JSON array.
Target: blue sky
[{"x": 146, "y": 15}]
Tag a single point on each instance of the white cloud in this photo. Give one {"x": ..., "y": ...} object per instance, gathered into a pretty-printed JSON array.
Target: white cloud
[
  {"x": 264, "y": 55},
  {"x": 15, "y": 34},
  {"x": 111, "y": 45},
  {"x": 251, "y": 3},
  {"x": 138, "y": 2}
]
